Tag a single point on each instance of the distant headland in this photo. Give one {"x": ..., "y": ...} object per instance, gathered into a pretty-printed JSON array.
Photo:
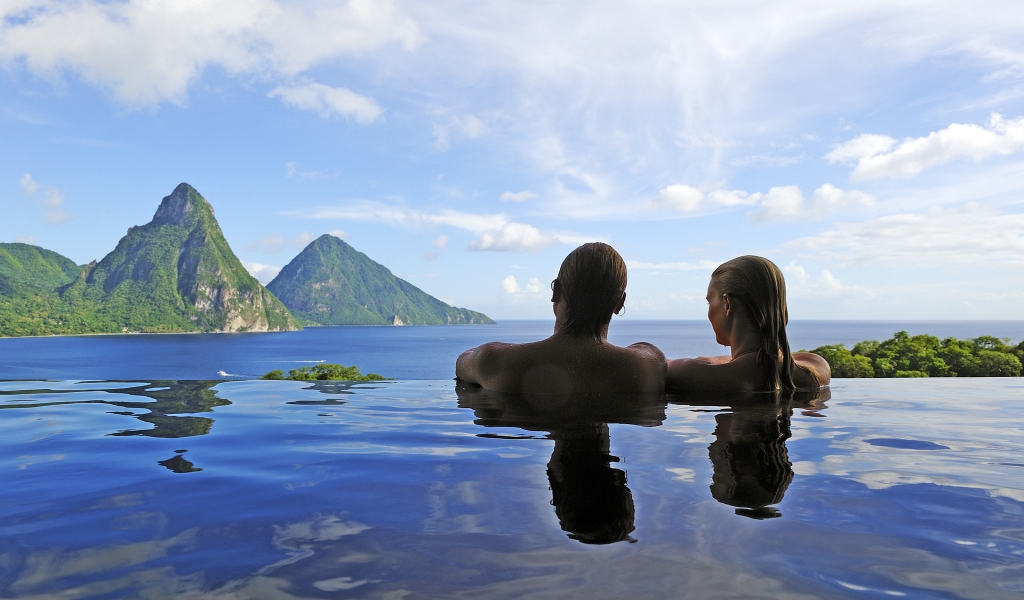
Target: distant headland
[{"x": 177, "y": 273}]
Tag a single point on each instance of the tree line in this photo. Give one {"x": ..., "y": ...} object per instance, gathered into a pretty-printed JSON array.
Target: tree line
[{"x": 905, "y": 355}]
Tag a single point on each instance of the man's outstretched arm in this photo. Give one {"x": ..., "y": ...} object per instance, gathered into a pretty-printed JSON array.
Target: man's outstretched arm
[
  {"x": 478, "y": 365},
  {"x": 465, "y": 366}
]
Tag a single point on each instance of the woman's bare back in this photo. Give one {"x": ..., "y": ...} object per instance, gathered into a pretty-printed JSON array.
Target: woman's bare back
[{"x": 743, "y": 373}]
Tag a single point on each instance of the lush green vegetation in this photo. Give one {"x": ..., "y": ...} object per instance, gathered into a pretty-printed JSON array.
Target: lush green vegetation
[
  {"x": 324, "y": 372},
  {"x": 330, "y": 283},
  {"x": 177, "y": 274},
  {"x": 174, "y": 274},
  {"x": 27, "y": 265},
  {"x": 905, "y": 355}
]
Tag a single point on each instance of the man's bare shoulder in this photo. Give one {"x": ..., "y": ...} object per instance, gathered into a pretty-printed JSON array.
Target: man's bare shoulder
[
  {"x": 509, "y": 351},
  {"x": 648, "y": 363},
  {"x": 646, "y": 351}
]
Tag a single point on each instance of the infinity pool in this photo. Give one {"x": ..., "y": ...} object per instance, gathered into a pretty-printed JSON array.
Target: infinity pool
[{"x": 263, "y": 489}]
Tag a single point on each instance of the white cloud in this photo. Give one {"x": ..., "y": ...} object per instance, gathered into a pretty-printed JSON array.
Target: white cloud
[
  {"x": 50, "y": 197},
  {"x": 292, "y": 170},
  {"x": 788, "y": 203},
  {"x": 263, "y": 273},
  {"x": 510, "y": 285},
  {"x": 800, "y": 284},
  {"x": 876, "y": 156},
  {"x": 687, "y": 198},
  {"x": 679, "y": 197},
  {"x": 147, "y": 52},
  {"x": 329, "y": 101},
  {"x": 671, "y": 266},
  {"x": 28, "y": 184},
  {"x": 522, "y": 196},
  {"x": 469, "y": 221},
  {"x": 25, "y": 239},
  {"x": 440, "y": 243},
  {"x": 778, "y": 203},
  {"x": 512, "y": 237},
  {"x": 445, "y": 124},
  {"x": 275, "y": 243},
  {"x": 341, "y": 234},
  {"x": 534, "y": 286},
  {"x": 868, "y": 144},
  {"x": 972, "y": 235},
  {"x": 495, "y": 232}
]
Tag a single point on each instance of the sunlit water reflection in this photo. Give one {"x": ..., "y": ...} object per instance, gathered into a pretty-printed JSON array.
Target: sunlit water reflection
[{"x": 416, "y": 489}]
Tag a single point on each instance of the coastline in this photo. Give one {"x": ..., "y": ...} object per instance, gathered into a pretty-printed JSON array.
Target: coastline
[{"x": 141, "y": 333}]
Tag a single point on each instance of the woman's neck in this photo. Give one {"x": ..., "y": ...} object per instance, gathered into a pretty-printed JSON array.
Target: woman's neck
[{"x": 745, "y": 340}]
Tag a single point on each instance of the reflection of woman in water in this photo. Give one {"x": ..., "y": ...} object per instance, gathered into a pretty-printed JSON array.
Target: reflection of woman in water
[
  {"x": 749, "y": 456},
  {"x": 747, "y": 309},
  {"x": 751, "y": 464}
]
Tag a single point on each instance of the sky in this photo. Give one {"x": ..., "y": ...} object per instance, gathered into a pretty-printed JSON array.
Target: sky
[{"x": 874, "y": 150}]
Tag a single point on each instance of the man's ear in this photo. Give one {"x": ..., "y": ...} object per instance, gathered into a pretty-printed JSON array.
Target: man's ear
[
  {"x": 556, "y": 291},
  {"x": 620, "y": 304},
  {"x": 727, "y": 305}
]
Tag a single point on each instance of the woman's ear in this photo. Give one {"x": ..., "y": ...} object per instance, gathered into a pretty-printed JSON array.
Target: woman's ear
[
  {"x": 621, "y": 303},
  {"x": 556, "y": 291}
]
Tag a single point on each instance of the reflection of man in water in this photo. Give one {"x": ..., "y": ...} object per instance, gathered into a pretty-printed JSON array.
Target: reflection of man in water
[
  {"x": 591, "y": 500},
  {"x": 591, "y": 286}
]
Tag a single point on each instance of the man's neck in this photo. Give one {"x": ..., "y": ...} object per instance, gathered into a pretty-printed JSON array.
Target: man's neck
[{"x": 602, "y": 336}]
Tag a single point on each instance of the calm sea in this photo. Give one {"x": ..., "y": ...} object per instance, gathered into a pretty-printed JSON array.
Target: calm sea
[
  {"x": 882, "y": 488},
  {"x": 398, "y": 352}
]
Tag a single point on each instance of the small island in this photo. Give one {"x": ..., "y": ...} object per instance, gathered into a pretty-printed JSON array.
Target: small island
[{"x": 324, "y": 372}]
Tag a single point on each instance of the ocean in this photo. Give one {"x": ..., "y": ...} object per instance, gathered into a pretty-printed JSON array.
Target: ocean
[
  {"x": 396, "y": 352},
  {"x": 162, "y": 486}
]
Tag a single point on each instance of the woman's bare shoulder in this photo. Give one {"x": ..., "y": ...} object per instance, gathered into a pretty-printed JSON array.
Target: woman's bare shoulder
[
  {"x": 813, "y": 365},
  {"x": 738, "y": 375}
]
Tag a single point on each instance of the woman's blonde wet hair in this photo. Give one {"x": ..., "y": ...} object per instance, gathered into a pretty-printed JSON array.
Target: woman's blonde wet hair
[
  {"x": 593, "y": 280},
  {"x": 759, "y": 285}
]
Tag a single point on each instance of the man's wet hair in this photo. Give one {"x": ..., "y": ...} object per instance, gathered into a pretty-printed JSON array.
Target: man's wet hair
[{"x": 593, "y": 280}]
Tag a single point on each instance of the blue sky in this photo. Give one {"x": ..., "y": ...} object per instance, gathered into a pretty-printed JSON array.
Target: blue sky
[{"x": 873, "y": 150}]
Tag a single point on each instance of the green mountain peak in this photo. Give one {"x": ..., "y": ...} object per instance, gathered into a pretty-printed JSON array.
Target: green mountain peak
[
  {"x": 181, "y": 206},
  {"x": 178, "y": 273},
  {"x": 332, "y": 283}
]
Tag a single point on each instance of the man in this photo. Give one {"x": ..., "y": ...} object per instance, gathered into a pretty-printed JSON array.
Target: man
[{"x": 591, "y": 286}]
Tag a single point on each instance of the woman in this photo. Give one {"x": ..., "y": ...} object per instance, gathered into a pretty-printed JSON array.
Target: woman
[{"x": 747, "y": 310}]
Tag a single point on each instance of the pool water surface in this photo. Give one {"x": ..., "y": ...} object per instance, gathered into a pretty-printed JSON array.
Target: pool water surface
[{"x": 418, "y": 489}]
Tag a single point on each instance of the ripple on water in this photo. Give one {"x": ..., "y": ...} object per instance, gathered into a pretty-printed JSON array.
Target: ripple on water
[{"x": 416, "y": 488}]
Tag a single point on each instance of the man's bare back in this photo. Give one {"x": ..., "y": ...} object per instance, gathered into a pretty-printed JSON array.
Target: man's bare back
[
  {"x": 577, "y": 359},
  {"x": 564, "y": 364}
]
